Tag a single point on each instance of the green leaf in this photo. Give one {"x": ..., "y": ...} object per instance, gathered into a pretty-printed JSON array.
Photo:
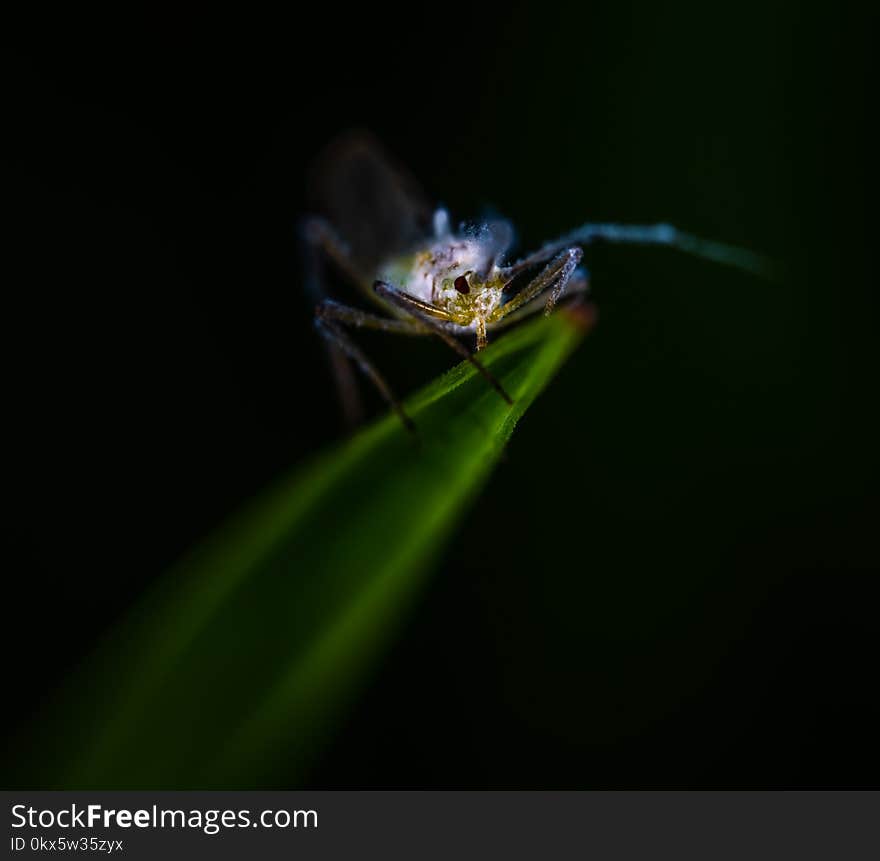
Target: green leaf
[{"x": 236, "y": 667}]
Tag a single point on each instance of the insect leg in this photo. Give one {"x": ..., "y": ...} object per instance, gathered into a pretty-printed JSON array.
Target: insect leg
[
  {"x": 329, "y": 320},
  {"x": 579, "y": 284},
  {"x": 554, "y": 277},
  {"x": 649, "y": 234},
  {"x": 323, "y": 244},
  {"x": 330, "y": 310},
  {"x": 433, "y": 318},
  {"x": 320, "y": 245}
]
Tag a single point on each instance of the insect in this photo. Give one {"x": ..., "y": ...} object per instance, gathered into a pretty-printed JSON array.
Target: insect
[{"x": 426, "y": 278}]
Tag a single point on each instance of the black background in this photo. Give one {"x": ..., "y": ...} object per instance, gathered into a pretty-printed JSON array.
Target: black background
[{"x": 694, "y": 601}]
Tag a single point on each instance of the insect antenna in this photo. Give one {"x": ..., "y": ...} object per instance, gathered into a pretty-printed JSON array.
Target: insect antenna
[{"x": 655, "y": 234}]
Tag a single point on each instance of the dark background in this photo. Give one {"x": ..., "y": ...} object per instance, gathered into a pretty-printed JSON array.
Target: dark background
[{"x": 694, "y": 602}]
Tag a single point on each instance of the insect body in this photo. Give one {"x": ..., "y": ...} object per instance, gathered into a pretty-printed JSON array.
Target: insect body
[
  {"x": 455, "y": 279},
  {"x": 429, "y": 279}
]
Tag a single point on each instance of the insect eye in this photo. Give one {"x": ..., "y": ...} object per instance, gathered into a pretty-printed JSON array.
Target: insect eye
[{"x": 462, "y": 285}]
